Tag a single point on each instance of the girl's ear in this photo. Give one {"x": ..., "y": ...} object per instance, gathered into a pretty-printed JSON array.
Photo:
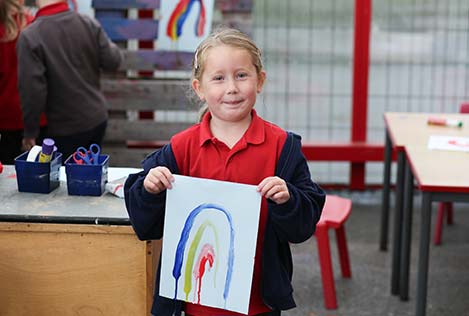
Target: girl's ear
[
  {"x": 198, "y": 90},
  {"x": 260, "y": 81}
]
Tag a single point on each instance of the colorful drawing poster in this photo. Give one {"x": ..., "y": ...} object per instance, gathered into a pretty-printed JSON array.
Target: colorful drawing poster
[
  {"x": 452, "y": 143},
  {"x": 183, "y": 24},
  {"x": 209, "y": 243}
]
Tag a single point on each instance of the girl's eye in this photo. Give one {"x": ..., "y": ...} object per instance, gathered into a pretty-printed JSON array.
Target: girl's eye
[
  {"x": 218, "y": 78},
  {"x": 242, "y": 75}
]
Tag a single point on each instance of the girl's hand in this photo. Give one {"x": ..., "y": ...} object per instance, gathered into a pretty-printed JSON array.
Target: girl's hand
[
  {"x": 158, "y": 179},
  {"x": 275, "y": 189}
]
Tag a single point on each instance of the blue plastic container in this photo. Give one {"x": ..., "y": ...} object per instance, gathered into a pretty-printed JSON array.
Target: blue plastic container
[
  {"x": 86, "y": 179},
  {"x": 38, "y": 177}
]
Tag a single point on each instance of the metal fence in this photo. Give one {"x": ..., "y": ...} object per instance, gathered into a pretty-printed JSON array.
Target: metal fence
[{"x": 419, "y": 62}]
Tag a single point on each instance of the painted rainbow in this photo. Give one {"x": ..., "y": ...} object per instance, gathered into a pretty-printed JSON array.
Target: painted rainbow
[
  {"x": 207, "y": 253},
  {"x": 179, "y": 16}
]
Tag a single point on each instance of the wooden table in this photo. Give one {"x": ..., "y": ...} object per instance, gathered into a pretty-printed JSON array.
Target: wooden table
[
  {"x": 440, "y": 176},
  {"x": 406, "y": 131},
  {"x": 71, "y": 255}
]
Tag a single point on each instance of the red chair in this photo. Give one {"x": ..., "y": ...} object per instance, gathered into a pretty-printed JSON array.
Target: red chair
[
  {"x": 334, "y": 214},
  {"x": 446, "y": 207}
]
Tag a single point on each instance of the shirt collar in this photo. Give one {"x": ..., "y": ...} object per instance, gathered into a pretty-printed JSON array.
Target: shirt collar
[
  {"x": 52, "y": 9},
  {"x": 255, "y": 133}
]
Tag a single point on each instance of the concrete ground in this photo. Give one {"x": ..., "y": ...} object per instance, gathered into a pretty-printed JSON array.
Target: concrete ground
[{"x": 368, "y": 291}]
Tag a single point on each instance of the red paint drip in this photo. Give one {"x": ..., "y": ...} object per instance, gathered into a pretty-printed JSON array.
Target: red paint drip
[
  {"x": 206, "y": 254},
  {"x": 206, "y": 258}
]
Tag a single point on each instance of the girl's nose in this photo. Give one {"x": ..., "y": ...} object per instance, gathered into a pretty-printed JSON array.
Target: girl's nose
[{"x": 232, "y": 86}]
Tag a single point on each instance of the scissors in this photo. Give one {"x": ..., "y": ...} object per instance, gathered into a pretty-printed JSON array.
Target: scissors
[{"x": 88, "y": 157}]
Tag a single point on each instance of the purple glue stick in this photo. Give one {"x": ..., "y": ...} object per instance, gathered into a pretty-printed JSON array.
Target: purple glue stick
[{"x": 47, "y": 150}]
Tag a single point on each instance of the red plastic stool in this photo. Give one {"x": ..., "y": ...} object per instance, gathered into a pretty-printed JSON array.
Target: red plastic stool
[
  {"x": 446, "y": 207},
  {"x": 334, "y": 214}
]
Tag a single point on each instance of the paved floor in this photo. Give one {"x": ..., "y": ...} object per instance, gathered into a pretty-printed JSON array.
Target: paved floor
[{"x": 368, "y": 291}]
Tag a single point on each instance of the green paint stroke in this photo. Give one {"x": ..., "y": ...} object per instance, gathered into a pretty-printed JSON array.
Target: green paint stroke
[{"x": 191, "y": 255}]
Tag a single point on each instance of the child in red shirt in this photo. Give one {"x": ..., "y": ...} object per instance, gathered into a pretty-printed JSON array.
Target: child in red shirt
[{"x": 232, "y": 143}]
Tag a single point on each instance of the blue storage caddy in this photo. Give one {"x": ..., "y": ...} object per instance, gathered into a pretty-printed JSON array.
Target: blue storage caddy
[
  {"x": 86, "y": 179},
  {"x": 37, "y": 177}
]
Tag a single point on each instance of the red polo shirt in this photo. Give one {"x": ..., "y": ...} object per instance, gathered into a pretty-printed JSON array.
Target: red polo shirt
[{"x": 199, "y": 154}]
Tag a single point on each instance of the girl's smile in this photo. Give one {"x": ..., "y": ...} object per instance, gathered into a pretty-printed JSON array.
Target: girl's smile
[{"x": 233, "y": 102}]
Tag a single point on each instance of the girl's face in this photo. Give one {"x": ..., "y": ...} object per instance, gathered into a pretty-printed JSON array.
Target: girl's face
[{"x": 229, "y": 83}]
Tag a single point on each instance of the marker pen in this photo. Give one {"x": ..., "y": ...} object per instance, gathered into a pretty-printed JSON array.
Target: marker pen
[
  {"x": 47, "y": 150},
  {"x": 444, "y": 122}
]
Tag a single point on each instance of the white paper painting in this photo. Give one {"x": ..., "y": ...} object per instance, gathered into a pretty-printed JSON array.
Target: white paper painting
[
  {"x": 183, "y": 24},
  {"x": 209, "y": 242},
  {"x": 451, "y": 143}
]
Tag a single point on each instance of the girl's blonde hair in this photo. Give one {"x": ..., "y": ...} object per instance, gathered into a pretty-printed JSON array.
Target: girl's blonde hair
[
  {"x": 12, "y": 17},
  {"x": 224, "y": 36}
]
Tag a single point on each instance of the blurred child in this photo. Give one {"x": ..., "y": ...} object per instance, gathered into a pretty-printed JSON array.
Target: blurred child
[
  {"x": 232, "y": 143},
  {"x": 61, "y": 55},
  {"x": 13, "y": 19}
]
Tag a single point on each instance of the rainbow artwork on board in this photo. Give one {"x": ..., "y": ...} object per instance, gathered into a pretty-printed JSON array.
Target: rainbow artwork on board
[
  {"x": 208, "y": 253},
  {"x": 174, "y": 27}
]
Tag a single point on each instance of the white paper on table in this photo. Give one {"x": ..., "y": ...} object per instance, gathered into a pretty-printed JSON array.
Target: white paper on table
[
  {"x": 113, "y": 173},
  {"x": 453, "y": 143},
  {"x": 209, "y": 243}
]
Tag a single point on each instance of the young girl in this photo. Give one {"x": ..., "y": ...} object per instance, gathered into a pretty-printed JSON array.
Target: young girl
[
  {"x": 12, "y": 21},
  {"x": 233, "y": 143}
]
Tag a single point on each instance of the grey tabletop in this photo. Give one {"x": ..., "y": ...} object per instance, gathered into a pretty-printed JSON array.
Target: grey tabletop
[{"x": 58, "y": 206}]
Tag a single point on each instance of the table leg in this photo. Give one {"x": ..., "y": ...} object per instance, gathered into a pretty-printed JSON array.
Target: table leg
[
  {"x": 406, "y": 234},
  {"x": 383, "y": 242},
  {"x": 424, "y": 252},
  {"x": 396, "y": 251}
]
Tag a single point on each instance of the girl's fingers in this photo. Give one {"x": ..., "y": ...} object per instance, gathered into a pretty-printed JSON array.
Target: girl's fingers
[
  {"x": 158, "y": 179},
  {"x": 167, "y": 174},
  {"x": 275, "y": 189},
  {"x": 266, "y": 185},
  {"x": 152, "y": 184},
  {"x": 163, "y": 181},
  {"x": 279, "y": 197}
]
